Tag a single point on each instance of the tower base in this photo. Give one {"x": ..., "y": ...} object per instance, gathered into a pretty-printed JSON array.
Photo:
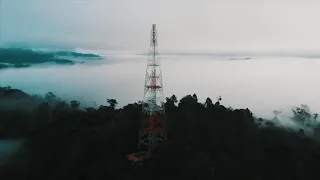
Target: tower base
[{"x": 149, "y": 141}]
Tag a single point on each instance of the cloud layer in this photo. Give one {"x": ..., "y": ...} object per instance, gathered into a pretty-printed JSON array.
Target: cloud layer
[{"x": 197, "y": 26}]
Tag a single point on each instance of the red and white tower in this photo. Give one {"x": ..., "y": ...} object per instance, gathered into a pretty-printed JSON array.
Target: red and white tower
[{"x": 153, "y": 130}]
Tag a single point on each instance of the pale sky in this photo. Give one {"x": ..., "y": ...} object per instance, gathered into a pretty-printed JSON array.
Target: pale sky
[{"x": 183, "y": 25}]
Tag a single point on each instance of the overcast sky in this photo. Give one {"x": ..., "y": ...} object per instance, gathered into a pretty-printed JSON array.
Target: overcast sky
[{"x": 183, "y": 25}]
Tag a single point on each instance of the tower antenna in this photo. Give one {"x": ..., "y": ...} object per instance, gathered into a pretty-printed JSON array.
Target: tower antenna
[
  {"x": 154, "y": 126},
  {"x": 153, "y": 130}
]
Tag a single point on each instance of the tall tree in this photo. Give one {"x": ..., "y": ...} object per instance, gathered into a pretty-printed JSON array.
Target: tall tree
[{"x": 112, "y": 103}]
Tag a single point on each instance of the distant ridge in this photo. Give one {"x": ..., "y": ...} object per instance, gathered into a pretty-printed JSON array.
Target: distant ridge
[{"x": 21, "y": 57}]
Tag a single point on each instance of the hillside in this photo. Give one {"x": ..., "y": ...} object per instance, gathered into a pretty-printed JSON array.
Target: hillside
[
  {"x": 20, "y": 58},
  {"x": 206, "y": 141}
]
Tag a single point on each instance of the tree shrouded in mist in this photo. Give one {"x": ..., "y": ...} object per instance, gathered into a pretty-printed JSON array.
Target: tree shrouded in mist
[
  {"x": 112, "y": 103},
  {"x": 301, "y": 114},
  {"x": 204, "y": 142}
]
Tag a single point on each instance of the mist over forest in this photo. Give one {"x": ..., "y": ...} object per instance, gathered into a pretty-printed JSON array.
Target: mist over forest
[
  {"x": 52, "y": 137},
  {"x": 240, "y": 94},
  {"x": 207, "y": 140}
]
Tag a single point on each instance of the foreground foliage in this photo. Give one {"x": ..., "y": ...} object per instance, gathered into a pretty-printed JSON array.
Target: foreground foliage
[{"x": 206, "y": 141}]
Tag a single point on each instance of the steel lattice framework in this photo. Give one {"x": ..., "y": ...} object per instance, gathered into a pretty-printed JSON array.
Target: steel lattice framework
[{"x": 153, "y": 129}]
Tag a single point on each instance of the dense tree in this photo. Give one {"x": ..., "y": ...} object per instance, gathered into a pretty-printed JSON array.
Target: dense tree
[
  {"x": 208, "y": 102},
  {"x": 75, "y": 104},
  {"x": 301, "y": 114},
  {"x": 50, "y": 97},
  {"x": 206, "y": 141},
  {"x": 112, "y": 103},
  {"x": 218, "y": 101},
  {"x": 170, "y": 103},
  {"x": 315, "y": 116}
]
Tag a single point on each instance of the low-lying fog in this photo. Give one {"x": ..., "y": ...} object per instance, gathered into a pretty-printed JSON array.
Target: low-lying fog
[{"x": 261, "y": 84}]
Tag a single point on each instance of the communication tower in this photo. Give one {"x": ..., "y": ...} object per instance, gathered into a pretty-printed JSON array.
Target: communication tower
[
  {"x": 153, "y": 127},
  {"x": 153, "y": 130}
]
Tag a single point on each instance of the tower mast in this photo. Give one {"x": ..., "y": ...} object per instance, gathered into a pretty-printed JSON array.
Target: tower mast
[{"x": 153, "y": 130}]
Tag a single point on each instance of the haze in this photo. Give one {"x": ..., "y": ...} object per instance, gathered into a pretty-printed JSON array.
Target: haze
[
  {"x": 249, "y": 26},
  {"x": 234, "y": 27}
]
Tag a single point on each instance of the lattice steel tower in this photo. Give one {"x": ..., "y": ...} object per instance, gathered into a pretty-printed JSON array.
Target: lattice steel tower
[{"x": 153, "y": 130}]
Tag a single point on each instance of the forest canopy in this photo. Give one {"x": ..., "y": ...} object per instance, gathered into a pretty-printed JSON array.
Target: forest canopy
[{"x": 205, "y": 141}]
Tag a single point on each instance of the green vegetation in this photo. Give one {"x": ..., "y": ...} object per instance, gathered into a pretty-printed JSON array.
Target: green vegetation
[
  {"x": 20, "y": 58},
  {"x": 4, "y": 66},
  {"x": 25, "y": 56},
  {"x": 75, "y": 54},
  {"x": 206, "y": 141}
]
